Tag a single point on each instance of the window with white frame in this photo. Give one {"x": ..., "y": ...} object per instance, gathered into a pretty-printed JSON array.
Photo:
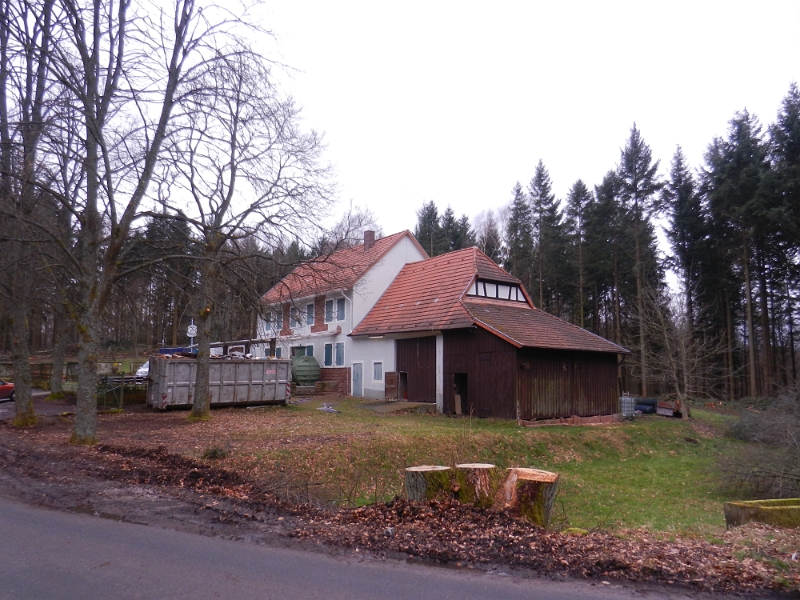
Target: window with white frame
[
  {"x": 309, "y": 314},
  {"x": 340, "y": 309},
  {"x": 279, "y": 319},
  {"x": 277, "y": 352},
  {"x": 339, "y": 354},
  {"x": 377, "y": 371},
  {"x": 294, "y": 317},
  {"x": 309, "y": 350},
  {"x": 328, "y": 358},
  {"x": 328, "y": 311},
  {"x": 500, "y": 291}
]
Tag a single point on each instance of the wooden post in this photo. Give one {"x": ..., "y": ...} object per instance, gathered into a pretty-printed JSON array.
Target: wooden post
[
  {"x": 425, "y": 482},
  {"x": 477, "y": 483},
  {"x": 529, "y": 493}
]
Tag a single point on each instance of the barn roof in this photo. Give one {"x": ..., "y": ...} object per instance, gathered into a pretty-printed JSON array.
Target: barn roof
[
  {"x": 524, "y": 326},
  {"x": 430, "y": 295},
  {"x": 337, "y": 271}
]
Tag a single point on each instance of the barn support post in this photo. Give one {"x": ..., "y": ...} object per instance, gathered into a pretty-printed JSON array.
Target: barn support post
[{"x": 440, "y": 373}]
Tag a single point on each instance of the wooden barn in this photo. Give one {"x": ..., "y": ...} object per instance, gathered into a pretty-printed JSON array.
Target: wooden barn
[{"x": 468, "y": 338}]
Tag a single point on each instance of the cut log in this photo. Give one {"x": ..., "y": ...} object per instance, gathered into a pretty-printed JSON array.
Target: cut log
[
  {"x": 426, "y": 482},
  {"x": 477, "y": 483},
  {"x": 530, "y": 493}
]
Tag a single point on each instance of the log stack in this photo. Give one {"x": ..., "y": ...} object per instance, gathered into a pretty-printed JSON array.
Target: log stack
[{"x": 426, "y": 482}]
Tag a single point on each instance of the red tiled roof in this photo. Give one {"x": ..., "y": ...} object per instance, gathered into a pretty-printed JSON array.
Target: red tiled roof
[
  {"x": 528, "y": 327},
  {"x": 430, "y": 296},
  {"x": 337, "y": 271},
  {"x": 425, "y": 296}
]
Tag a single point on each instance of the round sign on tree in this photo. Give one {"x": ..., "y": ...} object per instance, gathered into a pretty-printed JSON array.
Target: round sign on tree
[{"x": 192, "y": 331}]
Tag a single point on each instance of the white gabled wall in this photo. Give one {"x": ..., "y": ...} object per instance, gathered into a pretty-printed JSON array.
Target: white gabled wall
[
  {"x": 377, "y": 279},
  {"x": 358, "y": 302},
  {"x": 367, "y": 292}
]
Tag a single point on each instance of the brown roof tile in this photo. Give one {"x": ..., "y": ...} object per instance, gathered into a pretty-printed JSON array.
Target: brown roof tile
[
  {"x": 529, "y": 327},
  {"x": 337, "y": 271},
  {"x": 430, "y": 296}
]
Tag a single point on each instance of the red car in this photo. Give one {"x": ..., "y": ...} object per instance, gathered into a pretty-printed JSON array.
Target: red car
[{"x": 6, "y": 390}]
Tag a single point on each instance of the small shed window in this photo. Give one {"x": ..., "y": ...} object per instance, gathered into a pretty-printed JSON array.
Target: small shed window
[{"x": 377, "y": 371}]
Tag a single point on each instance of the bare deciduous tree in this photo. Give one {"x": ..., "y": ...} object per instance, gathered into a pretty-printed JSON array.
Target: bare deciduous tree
[{"x": 241, "y": 169}]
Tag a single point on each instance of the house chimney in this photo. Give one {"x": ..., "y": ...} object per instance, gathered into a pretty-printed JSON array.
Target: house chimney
[{"x": 369, "y": 240}]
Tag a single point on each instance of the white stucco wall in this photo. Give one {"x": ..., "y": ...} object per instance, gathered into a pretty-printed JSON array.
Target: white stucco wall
[
  {"x": 368, "y": 352},
  {"x": 358, "y": 302}
]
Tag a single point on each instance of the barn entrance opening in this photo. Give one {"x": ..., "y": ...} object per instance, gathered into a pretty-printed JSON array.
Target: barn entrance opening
[
  {"x": 461, "y": 393},
  {"x": 402, "y": 386}
]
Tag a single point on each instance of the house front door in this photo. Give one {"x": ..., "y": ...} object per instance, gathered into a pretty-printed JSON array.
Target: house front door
[{"x": 358, "y": 379}]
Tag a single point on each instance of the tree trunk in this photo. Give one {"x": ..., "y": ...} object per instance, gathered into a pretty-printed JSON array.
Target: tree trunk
[
  {"x": 639, "y": 273},
  {"x": 580, "y": 278},
  {"x": 752, "y": 370},
  {"x": 23, "y": 403},
  {"x": 530, "y": 493},
  {"x": 767, "y": 377},
  {"x": 426, "y": 482},
  {"x": 201, "y": 403},
  {"x": 85, "y": 429},
  {"x": 477, "y": 483},
  {"x": 60, "y": 340},
  {"x": 729, "y": 341}
]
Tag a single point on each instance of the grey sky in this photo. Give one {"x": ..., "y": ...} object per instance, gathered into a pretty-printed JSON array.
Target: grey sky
[{"x": 456, "y": 101}]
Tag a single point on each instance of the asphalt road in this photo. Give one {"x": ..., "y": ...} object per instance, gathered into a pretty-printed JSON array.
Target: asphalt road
[{"x": 48, "y": 554}]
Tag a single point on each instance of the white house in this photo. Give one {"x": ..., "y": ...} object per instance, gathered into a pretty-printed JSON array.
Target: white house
[{"x": 314, "y": 308}]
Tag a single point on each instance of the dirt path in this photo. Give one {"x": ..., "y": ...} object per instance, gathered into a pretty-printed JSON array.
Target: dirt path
[{"x": 143, "y": 477}]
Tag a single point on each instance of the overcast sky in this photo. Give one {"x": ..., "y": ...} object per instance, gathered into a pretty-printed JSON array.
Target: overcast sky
[{"x": 456, "y": 101}]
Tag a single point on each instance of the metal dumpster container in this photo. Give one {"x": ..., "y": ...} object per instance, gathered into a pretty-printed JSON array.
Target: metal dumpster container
[{"x": 231, "y": 382}]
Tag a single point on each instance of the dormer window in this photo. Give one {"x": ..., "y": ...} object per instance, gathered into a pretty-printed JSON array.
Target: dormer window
[{"x": 499, "y": 291}]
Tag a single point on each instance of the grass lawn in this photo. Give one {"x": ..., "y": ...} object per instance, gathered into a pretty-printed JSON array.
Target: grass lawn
[{"x": 655, "y": 473}]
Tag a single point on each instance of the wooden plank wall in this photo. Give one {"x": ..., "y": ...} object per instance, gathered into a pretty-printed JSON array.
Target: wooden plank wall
[
  {"x": 417, "y": 357},
  {"x": 560, "y": 383},
  {"x": 490, "y": 365}
]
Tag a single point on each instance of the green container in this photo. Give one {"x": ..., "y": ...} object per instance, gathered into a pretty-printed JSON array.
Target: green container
[{"x": 305, "y": 370}]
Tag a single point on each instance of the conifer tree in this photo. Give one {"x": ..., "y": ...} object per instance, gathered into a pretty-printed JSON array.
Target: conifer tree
[
  {"x": 456, "y": 233},
  {"x": 638, "y": 179},
  {"x": 549, "y": 247},
  {"x": 519, "y": 237},
  {"x": 733, "y": 177},
  {"x": 428, "y": 231},
  {"x": 579, "y": 200}
]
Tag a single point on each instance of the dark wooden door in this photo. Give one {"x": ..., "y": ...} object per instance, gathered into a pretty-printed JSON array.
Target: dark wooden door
[{"x": 417, "y": 357}]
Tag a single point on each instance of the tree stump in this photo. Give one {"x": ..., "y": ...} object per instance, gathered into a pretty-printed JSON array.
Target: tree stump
[
  {"x": 529, "y": 493},
  {"x": 425, "y": 482},
  {"x": 477, "y": 483}
]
